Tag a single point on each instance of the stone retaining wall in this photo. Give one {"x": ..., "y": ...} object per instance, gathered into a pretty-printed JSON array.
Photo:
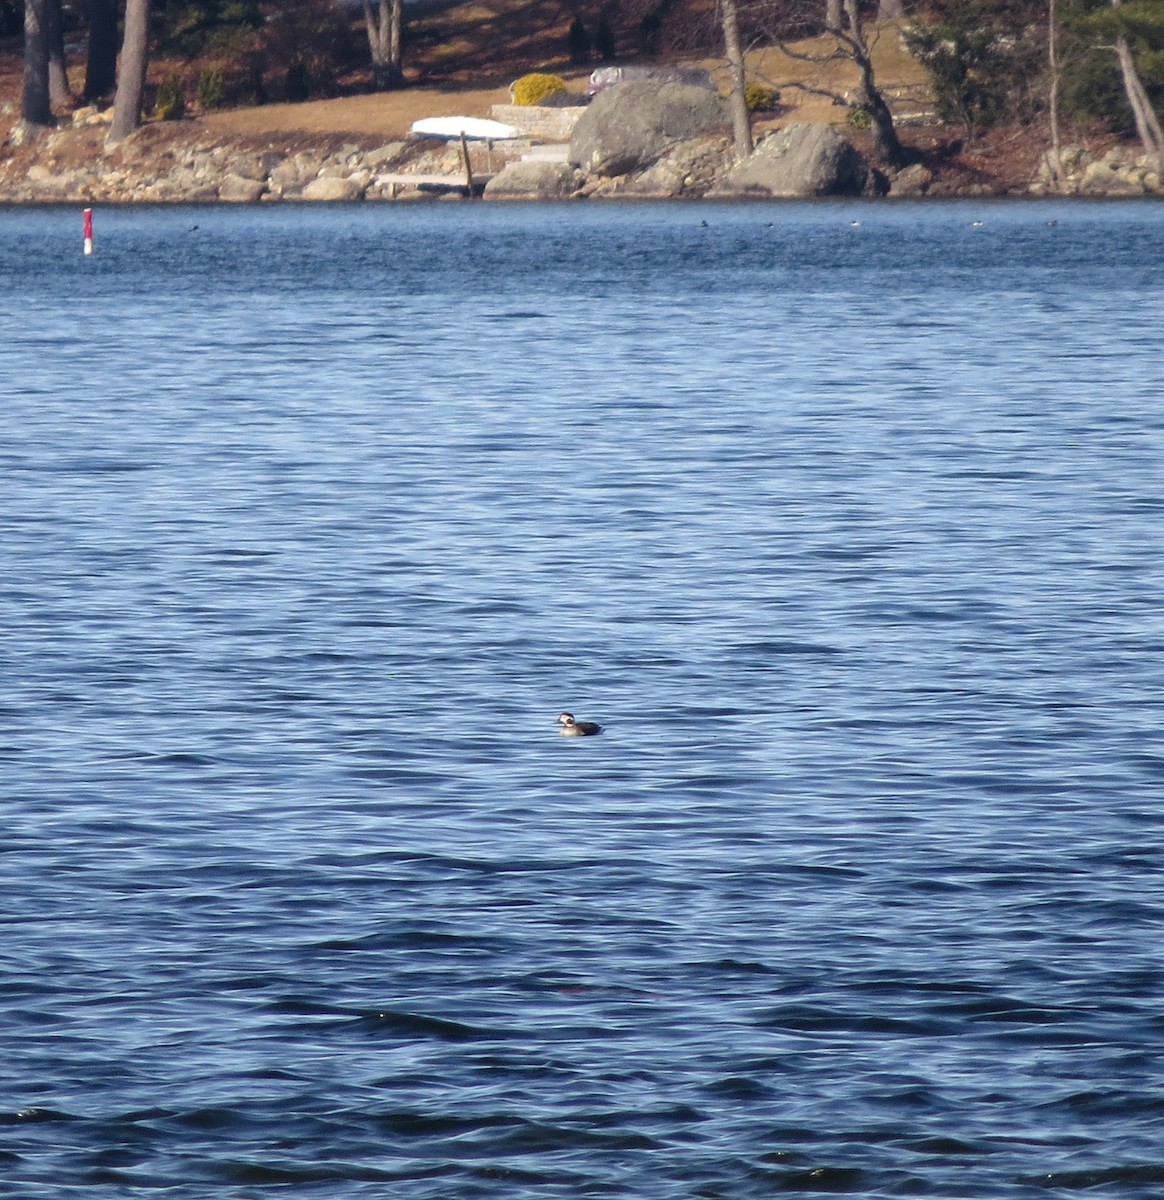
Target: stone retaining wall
[{"x": 539, "y": 121}]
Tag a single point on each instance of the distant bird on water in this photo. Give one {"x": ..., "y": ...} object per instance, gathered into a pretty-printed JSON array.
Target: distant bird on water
[{"x": 573, "y": 728}]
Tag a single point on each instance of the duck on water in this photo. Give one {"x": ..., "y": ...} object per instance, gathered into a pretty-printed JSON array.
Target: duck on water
[{"x": 574, "y": 728}]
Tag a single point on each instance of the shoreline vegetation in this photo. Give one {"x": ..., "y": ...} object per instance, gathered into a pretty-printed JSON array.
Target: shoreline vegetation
[{"x": 358, "y": 146}]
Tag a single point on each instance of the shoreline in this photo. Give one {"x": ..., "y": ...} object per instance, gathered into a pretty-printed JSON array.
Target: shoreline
[{"x": 191, "y": 162}]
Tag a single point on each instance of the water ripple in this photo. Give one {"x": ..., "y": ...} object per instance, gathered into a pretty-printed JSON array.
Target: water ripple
[{"x": 852, "y": 544}]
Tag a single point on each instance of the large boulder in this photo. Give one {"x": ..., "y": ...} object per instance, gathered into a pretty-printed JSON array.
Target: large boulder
[
  {"x": 913, "y": 180},
  {"x": 632, "y": 125},
  {"x": 1105, "y": 179},
  {"x": 534, "y": 181},
  {"x": 331, "y": 187},
  {"x": 241, "y": 189},
  {"x": 687, "y": 170},
  {"x": 799, "y": 160}
]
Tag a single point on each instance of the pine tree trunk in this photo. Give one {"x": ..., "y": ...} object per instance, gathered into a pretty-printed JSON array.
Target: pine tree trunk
[
  {"x": 741, "y": 118},
  {"x": 131, "y": 76},
  {"x": 35, "y": 108}
]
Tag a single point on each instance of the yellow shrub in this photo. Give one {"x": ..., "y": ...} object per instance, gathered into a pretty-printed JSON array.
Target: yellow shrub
[
  {"x": 533, "y": 89},
  {"x": 759, "y": 97}
]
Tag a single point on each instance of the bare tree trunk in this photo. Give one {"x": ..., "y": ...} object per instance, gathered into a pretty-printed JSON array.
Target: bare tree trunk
[
  {"x": 891, "y": 10},
  {"x": 833, "y": 14},
  {"x": 131, "y": 76},
  {"x": 887, "y": 147},
  {"x": 101, "y": 64},
  {"x": 1056, "y": 160},
  {"x": 385, "y": 27},
  {"x": 1147, "y": 123},
  {"x": 35, "y": 108},
  {"x": 741, "y": 118}
]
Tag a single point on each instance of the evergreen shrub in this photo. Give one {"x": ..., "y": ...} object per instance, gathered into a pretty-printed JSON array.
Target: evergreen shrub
[
  {"x": 170, "y": 103},
  {"x": 210, "y": 89}
]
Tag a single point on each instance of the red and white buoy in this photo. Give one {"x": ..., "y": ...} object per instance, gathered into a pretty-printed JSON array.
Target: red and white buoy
[{"x": 88, "y": 231}]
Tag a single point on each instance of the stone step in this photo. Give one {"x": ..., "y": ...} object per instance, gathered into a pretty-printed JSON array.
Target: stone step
[{"x": 547, "y": 153}]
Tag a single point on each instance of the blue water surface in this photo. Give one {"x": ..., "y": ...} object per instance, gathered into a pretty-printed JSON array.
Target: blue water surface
[{"x": 847, "y": 521}]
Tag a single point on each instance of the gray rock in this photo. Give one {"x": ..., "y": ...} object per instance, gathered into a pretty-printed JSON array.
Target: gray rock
[
  {"x": 1101, "y": 179},
  {"x": 333, "y": 188},
  {"x": 255, "y": 166},
  {"x": 602, "y": 78},
  {"x": 632, "y": 125},
  {"x": 375, "y": 159},
  {"x": 799, "y": 160},
  {"x": 534, "y": 181},
  {"x": 238, "y": 189},
  {"x": 288, "y": 175},
  {"x": 911, "y": 181}
]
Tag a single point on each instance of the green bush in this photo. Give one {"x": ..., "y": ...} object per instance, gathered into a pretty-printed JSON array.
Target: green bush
[
  {"x": 534, "y": 89},
  {"x": 984, "y": 62},
  {"x": 170, "y": 103},
  {"x": 859, "y": 118},
  {"x": 210, "y": 89}
]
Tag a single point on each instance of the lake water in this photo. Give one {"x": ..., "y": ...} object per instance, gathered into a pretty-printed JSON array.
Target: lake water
[{"x": 852, "y": 536}]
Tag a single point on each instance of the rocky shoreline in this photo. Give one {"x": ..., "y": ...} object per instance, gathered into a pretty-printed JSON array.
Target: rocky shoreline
[{"x": 184, "y": 162}]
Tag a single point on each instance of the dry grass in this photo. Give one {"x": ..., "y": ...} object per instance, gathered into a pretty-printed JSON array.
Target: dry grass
[{"x": 389, "y": 114}]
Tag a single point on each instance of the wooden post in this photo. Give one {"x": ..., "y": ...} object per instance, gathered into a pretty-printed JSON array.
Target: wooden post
[{"x": 468, "y": 164}]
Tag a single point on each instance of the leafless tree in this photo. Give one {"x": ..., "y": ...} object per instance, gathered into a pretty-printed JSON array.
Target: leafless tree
[
  {"x": 385, "y": 26},
  {"x": 1147, "y": 122},
  {"x": 741, "y": 118},
  {"x": 846, "y": 29},
  {"x": 1055, "y": 71},
  {"x": 131, "y": 75}
]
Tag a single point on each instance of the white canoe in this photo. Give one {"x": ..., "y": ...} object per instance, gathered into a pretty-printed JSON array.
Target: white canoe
[{"x": 471, "y": 127}]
